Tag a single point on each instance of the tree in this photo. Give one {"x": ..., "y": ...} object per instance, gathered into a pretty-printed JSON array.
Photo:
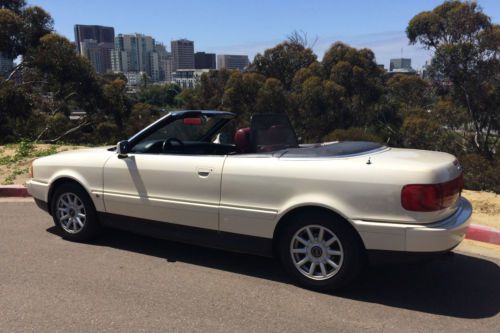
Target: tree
[
  {"x": 117, "y": 104},
  {"x": 466, "y": 62},
  {"x": 160, "y": 95},
  {"x": 21, "y": 29},
  {"x": 409, "y": 91},
  {"x": 211, "y": 88},
  {"x": 240, "y": 94},
  {"x": 271, "y": 97},
  {"x": 283, "y": 61},
  {"x": 356, "y": 73}
]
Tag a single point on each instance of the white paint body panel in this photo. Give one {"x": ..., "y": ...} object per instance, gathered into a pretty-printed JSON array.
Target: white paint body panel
[
  {"x": 249, "y": 194},
  {"x": 178, "y": 189}
]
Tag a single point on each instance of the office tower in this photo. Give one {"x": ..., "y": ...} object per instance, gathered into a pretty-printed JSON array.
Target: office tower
[
  {"x": 95, "y": 43},
  {"x": 98, "y": 54},
  {"x": 95, "y": 32},
  {"x": 230, "y": 61},
  {"x": 400, "y": 64},
  {"x": 135, "y": 53},
  {"x": 164, "y": 62},
  {"x": 182, "y": 54},
  {"x": 204, "y": 60}
]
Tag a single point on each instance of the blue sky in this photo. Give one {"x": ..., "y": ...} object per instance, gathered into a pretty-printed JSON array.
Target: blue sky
[{"x": 249, "y": 27}]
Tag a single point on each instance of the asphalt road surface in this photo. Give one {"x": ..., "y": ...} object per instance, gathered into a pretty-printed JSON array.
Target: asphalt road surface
[{"x": 129, "y": 283}]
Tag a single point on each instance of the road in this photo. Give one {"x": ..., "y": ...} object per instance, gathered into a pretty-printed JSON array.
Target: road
[{"x": 129, "y": 283}]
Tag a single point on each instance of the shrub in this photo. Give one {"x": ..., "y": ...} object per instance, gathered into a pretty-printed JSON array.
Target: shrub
[
  {"x": 481, "y": 174},
  {"x": 423, "y": 133},
  {"x": 107, "y": 132},
  {"x": 352, "y": 134}
]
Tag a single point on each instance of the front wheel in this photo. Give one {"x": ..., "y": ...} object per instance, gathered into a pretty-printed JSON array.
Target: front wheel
[
  {"x": 320, "y": 251},
  {"x": 74, "y": 213}
]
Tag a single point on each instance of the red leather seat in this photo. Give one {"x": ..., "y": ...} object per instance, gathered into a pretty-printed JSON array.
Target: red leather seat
[{"x": 242, "y": 140}]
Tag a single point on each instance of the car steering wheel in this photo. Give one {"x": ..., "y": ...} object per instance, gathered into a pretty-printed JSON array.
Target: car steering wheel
[{"x": 168, "y": 143}]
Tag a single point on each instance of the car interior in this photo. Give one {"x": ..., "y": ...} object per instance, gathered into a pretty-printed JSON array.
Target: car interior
[{"x": 202, "y": 136}]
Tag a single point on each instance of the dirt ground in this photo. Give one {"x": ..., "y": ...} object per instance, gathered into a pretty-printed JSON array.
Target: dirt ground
[
  {"x": 16, "y": 170},
  {"x": 486, "y": 207},
  {"x": 486, "y": 204}
]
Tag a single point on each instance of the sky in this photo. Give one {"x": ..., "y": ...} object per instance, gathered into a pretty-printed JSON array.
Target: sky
[{"x": 251, "y": 26}]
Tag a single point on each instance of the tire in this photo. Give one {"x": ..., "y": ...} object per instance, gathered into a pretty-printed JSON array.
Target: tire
[
  {"x": 335, "y": 250},
  {"x": 74, "y": 213}
]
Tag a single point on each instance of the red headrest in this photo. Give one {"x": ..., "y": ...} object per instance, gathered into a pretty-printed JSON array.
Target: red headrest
[{"x": 242, "y": 140}]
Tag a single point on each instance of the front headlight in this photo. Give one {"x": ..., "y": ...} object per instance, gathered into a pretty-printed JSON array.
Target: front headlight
[{"x": 30, "y": 169}]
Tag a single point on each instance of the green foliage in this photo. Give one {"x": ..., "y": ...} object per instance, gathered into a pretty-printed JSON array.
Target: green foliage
[
  {"x": 481, "y": 174},
  {"x": 21, "y": 27},
  {"x": 142, "y": 115},
  {"x": 283, "y": 61},
  {"x": 9, "y": 180},
  {"x": 466, "y": 47},
  {"x": 15, "y": 108},
  {"x": 352, "y": 134},
  {"x": 421, "y": 132},
  {"x": 159, "y": 95},
  {"x": 408, "y": 91}
]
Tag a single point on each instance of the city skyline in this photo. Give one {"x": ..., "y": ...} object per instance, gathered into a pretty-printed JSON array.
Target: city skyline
[{"x": 249, "y": 29}]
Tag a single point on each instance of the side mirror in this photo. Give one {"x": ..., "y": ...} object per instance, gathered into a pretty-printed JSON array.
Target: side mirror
[{"x": 123, "y": 148}]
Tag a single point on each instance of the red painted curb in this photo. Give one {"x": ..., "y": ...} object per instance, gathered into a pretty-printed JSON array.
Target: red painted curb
[
  {"x": 13, "y": 191},
  {"x": 483, "y": 234}
]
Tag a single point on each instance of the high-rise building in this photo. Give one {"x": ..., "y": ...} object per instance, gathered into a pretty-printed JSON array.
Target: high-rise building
[
  {"x": 95, "y": 42},
  {"x": 204, "y": 60},
  {"x": 99, "y": 54},
  {"x": 400, "y": 64},
  {"x": 135, "y": 53},
  {"x": 231, "y": 61},
  {"x": 182, "y": 54},
  {"x": 6, "y": 65},
  {"x": 96, "y": 32},
  {"x": 164, "y": 62}
]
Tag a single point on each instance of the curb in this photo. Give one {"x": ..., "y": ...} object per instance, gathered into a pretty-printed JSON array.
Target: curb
[
  {"x": 475, "y": 231},
  {"x": 13, "y": 191},
  {"x": 483, "y": 234}
]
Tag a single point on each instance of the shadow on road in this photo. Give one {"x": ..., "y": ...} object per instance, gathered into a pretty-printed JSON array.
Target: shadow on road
[{"x": 454, "y": 285}]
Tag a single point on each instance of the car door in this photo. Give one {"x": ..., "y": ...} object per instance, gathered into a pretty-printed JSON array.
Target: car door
[{"x": 180, "y": 189}]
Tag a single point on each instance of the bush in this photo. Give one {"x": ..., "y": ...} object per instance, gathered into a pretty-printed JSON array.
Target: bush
[
  {"x": 107, "y": 132},
  {"x": 352, "y": 134},
  {"x": 422, "y": 133},
  {"x": 481, "y": 174}
]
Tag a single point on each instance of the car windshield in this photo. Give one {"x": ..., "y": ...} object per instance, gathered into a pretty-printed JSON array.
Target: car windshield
[{"x": 186, "y": 129}]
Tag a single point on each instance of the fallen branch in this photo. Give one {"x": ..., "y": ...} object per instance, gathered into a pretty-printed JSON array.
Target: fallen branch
[{"x": 71, "y": 130}]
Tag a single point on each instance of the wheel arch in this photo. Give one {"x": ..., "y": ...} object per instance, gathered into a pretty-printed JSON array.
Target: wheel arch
[
  {"x": 58, "y": 182},
  {"x": 309, "y": 209}
]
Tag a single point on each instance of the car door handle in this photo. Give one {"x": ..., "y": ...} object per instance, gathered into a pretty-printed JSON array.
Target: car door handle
[{"x": 204, "y": 172}]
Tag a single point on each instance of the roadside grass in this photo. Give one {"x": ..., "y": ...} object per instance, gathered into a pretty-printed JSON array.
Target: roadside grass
[{"x": 15, "y": 159}]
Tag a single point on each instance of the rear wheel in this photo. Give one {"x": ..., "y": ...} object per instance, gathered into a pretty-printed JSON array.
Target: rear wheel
[
  {"x": 74, "y": 213},
  {"x": 320, "y": 251}
]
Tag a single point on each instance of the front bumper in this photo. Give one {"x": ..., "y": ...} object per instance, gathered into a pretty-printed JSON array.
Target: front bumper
[
  {"x": 37, "y": 189},
  {"x": 435, "y": 237}
]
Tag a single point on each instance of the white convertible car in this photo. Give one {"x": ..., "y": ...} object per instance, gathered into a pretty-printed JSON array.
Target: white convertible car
[{"x": 321, "y": 209}]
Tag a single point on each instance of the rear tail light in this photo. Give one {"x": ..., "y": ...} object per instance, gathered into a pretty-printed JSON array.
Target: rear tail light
[{"x": 431, "y": 197}]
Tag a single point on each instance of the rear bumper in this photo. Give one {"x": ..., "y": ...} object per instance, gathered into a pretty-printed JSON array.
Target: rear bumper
[{"x": 435, "y": 237}]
